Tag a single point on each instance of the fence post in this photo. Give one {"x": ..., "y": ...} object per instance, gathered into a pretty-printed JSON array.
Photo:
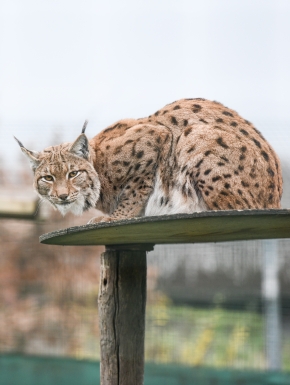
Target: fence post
[{"x": 271, "y": 296}]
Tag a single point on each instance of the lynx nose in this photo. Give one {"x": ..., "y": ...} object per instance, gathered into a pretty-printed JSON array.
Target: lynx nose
[{"x": 63, "y": 196}]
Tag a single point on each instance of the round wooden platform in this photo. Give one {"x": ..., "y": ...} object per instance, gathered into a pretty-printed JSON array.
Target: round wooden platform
[{"x": 208, "y": 226}]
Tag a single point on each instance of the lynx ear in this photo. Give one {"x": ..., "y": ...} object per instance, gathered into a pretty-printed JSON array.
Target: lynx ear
[
  {"x": 31, "y": 155},
  {"x": 80, "y": 147}
]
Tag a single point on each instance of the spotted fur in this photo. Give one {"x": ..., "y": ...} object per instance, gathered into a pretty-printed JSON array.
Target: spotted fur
[{"x": 192, "y": 155}]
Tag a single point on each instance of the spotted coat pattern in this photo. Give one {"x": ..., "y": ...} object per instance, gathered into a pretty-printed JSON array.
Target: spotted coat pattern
[
  {"x": 195, "y": 152},
  {"x": 192, "y": 155}
]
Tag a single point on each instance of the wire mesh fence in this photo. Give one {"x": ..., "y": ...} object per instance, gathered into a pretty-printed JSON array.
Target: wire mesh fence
[{"x": 206, "y": 303}]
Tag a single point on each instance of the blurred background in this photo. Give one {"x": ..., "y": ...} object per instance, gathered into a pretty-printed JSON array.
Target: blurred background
[{"x": 209, "y": 310}]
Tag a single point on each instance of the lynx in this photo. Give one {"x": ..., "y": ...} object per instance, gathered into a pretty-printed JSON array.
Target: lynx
[{"x": 192, "y": 155}]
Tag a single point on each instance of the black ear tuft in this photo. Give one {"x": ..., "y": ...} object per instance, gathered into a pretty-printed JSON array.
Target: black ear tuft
[
  {"x": 85, "y": 126},
  {"x": 31, "y": 155},
  {"x": 18, "y": 141}
]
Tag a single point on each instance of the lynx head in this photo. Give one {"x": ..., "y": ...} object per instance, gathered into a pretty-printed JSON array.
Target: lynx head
[{"x": 65, "y": 176}]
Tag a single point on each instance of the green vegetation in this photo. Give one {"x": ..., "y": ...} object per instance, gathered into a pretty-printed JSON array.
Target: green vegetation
[{"x": 207, "y": 337}]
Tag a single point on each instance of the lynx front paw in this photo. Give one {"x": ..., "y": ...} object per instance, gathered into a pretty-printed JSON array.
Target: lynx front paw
[{"x": 99, "y": 220}]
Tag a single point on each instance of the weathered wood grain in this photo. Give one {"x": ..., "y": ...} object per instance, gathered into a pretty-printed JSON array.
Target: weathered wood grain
[
  {"x": 122, "y": 301},
  {"x": 208, "y": 226}
]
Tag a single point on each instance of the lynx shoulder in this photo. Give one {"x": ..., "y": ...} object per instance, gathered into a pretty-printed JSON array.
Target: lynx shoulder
[{"x": 192, "y": 155}]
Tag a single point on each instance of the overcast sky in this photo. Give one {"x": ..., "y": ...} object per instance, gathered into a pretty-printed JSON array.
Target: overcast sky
[{"x": 64, "y": 61}]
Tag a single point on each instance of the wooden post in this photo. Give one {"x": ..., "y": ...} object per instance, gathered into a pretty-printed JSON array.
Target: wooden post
[{"x": 122, "y": 301}]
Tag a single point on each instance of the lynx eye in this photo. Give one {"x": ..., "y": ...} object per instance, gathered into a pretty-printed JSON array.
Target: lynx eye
[
  {"x": 72, "y": 174},
  {"x": 48, "y": 178}
]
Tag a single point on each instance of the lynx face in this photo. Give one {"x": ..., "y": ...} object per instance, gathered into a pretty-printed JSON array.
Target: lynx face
[{"x": 64, "y": 175}]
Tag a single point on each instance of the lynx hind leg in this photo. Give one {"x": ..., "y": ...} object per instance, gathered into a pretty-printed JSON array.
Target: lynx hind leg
[
  {"x": 230, "y": 176},
  {"x": 217, "y": 188}
]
